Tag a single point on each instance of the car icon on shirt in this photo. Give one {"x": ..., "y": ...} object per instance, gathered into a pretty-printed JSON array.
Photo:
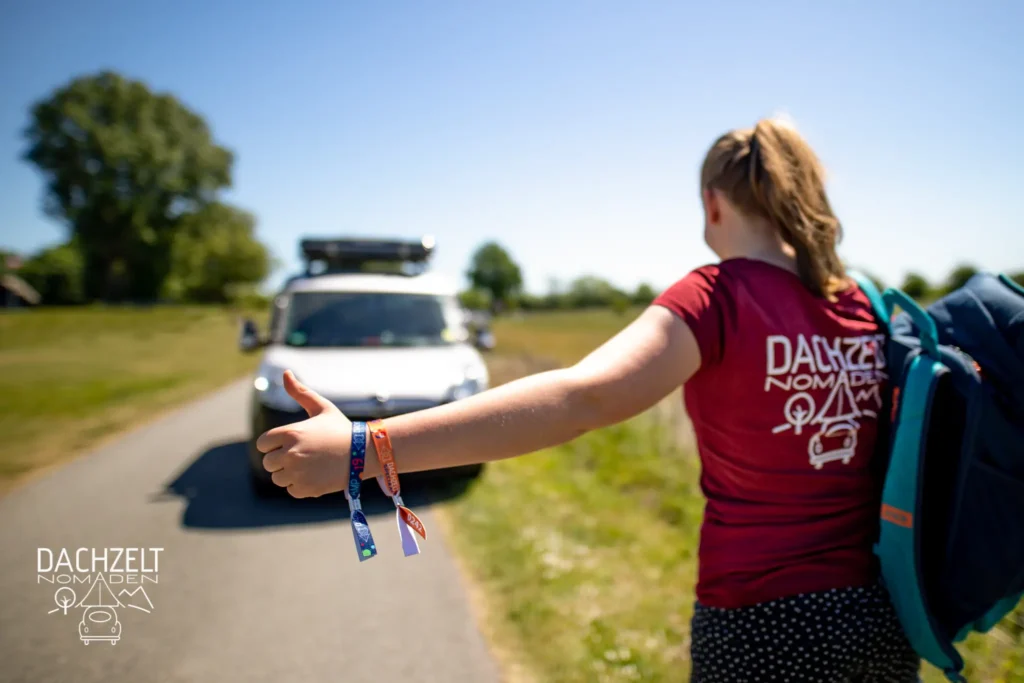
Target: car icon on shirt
[
  {"x": 99, "y": 623},
  {"x": 837, "y": 441}
]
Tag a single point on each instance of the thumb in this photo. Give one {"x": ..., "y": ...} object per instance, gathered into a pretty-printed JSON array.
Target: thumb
[{"x": 312, "y": 402}]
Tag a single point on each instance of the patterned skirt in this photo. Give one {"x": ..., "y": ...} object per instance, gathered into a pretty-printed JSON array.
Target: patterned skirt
[{"x": 848, "y": 635}]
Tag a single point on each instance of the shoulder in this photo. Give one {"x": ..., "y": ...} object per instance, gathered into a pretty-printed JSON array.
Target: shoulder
[
  {"x": 702, "y": 300},
  {"x": 707, "y": 282}
]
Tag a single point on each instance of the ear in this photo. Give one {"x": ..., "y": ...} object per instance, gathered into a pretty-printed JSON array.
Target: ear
[{"x": 712, "y": 206}]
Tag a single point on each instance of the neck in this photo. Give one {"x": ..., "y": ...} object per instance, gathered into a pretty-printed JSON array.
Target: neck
[
  {"x": 783, "y": 258},
  {"x": 763, "y": 243}
]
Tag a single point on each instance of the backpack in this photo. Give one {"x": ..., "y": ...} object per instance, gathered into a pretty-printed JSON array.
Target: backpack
[{"x": 951, "y": 530}]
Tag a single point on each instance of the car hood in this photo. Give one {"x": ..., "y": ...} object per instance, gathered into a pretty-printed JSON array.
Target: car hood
[{"x": 341, "y": 374}]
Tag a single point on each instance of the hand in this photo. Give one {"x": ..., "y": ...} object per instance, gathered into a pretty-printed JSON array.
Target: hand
[{"x": 311, "y": 457}]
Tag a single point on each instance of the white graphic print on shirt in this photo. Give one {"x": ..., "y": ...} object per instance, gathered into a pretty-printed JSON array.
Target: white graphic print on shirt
[{"x": 851, "y": 368}]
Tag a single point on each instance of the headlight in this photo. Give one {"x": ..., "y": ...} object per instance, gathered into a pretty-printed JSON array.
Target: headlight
[
  {"x": 464, "y": 390},
  {"x": 472, "y": 380},
  {"x": 270, "y": 389}
]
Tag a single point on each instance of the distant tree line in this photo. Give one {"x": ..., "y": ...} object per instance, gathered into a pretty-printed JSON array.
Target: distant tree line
[
  {"x": 495, "y": 281},
  {"x": 135, "y": 177},
  {"x": 496, "y": 284},
  {"x": 918, "y": 286}
]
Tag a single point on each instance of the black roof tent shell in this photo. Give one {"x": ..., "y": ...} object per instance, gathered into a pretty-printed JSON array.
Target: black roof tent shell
[{"x": 328, "y": 256}]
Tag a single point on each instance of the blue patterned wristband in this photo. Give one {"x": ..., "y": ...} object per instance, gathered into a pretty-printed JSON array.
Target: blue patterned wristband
[{"x": 365, "y": 546}]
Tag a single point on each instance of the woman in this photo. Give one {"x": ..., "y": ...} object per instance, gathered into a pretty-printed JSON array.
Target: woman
[{"x": 777, "y": 353}]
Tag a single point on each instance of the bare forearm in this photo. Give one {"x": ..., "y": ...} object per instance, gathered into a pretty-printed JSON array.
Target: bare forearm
[
  {"x": 513, "y": 419},
  {"x": 631, "y": 372}
]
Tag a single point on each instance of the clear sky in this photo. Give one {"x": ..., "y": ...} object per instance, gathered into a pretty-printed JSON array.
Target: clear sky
[{"x": 570, "y": 131}]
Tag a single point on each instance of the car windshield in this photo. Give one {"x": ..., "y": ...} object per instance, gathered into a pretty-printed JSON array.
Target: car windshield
[{"x": 319, "y": 319}]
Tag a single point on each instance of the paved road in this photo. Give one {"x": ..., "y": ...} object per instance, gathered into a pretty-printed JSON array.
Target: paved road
[{"x": 246, "y": 590}]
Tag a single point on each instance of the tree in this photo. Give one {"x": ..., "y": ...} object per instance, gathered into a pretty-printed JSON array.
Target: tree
[
  {"x": 532, "y": 302},
  {"x": 644, "y": 295},
  {"x": 915, "y": 286},
  {"x": 123, "y": 166},
  {"x": 959, "y": 277},
  {"x": 475, "y": 299},
  {"x": 619, "y": 303},
  {"x": 589, "y": 291},
  {"x": 1017, "y": 277},
  {"x": 492, "y": 269},
  {"x": 214, "y": 251},
  {"x": 56, "y": 273}
]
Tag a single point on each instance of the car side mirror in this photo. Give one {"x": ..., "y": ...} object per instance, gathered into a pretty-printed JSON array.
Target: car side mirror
[
  {"x": 483, "y": 339},
  {"x": 249, "y": 340}
]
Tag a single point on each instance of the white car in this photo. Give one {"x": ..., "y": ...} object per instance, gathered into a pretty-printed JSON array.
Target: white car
[{"x": 376, "y": 344}]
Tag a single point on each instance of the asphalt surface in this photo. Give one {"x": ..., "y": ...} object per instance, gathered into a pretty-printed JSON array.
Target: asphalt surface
[{"x": 246, "y": 589}]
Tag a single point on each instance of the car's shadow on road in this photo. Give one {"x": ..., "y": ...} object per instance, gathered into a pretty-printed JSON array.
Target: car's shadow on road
[{"x": 219, "y": 494}]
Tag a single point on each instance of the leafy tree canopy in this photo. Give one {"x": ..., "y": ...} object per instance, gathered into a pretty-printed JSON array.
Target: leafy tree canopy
[
  {"x": 214, "y": 249},
  {"x": 644, "y": 294},
  {"x": 959, "y": 277},
  {"x": 492, "y": 269},
  {"x": 123, "y": 166},
  {"x": 915, "y": 286},
  {"x": 56, "y": 273}
]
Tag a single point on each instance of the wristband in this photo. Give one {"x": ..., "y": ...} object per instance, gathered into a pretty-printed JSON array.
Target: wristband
[
  {"x": 407, "y": 521},
  {"x": 365, "y": 547}
]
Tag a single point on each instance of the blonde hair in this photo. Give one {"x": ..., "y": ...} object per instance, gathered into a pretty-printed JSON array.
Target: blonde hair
[{"x": 769, "y": 171}]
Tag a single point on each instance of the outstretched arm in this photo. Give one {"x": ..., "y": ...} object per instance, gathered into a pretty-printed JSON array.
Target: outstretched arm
[{"x": 628, "y": 374}]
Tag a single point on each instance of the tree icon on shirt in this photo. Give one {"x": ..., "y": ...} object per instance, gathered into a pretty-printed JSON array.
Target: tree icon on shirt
[{"x": 65, "y": 599}]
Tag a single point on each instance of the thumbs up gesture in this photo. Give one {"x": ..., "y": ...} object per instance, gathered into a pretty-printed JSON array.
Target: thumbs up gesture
[{"x": 309, "y": 458}]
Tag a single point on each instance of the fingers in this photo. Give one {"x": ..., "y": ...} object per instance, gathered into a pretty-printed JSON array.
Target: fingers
[
  {"x": 283, "y": 472},
  {"x": 282, "y": 478},
  {"x": 273, "y": 439},
  {"x": 312, "y": 402},
  {"x": 274, "y": 460}
]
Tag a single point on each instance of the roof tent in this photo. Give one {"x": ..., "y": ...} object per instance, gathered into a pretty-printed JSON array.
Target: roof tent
[{"x": 326, "y": 256}]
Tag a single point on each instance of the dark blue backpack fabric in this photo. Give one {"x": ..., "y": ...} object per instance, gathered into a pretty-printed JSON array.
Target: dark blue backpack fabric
[{"x": 951, "y": 543}]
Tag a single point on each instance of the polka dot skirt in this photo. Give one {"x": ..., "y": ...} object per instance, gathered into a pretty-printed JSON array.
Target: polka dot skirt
[{"x": 840, "y": 636}]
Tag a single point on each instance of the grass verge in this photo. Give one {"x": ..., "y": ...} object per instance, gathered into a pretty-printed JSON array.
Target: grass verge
[
  {"x": 586, "y": 554},
  {"x": 70, "y": 378}
]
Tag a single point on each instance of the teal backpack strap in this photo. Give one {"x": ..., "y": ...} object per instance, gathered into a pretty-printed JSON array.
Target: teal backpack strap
[
  {"x": 882, "y": 311},
  {"x": 898, "y": 542}
]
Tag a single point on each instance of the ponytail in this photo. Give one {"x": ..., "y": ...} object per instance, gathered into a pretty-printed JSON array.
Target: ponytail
[{"x": 771, "y": 172}]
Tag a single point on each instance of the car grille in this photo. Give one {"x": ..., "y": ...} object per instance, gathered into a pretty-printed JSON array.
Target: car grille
[
  {"x": 370, "y": 409},
  {"x": 361, "y": 411}
]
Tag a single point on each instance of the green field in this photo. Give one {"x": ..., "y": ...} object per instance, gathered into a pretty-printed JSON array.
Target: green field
[{"x": 71, "y": 378}]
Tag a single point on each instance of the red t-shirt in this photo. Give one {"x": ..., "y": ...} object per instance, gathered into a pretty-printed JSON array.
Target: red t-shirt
[{"x": 784, "y": 408}]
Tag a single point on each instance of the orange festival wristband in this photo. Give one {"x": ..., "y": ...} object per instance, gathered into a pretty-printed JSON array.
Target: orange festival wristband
[{"x": 388, "y": 480}]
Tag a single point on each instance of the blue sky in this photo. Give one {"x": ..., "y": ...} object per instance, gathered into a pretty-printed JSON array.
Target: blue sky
[{"x": 570, "y": 131}]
